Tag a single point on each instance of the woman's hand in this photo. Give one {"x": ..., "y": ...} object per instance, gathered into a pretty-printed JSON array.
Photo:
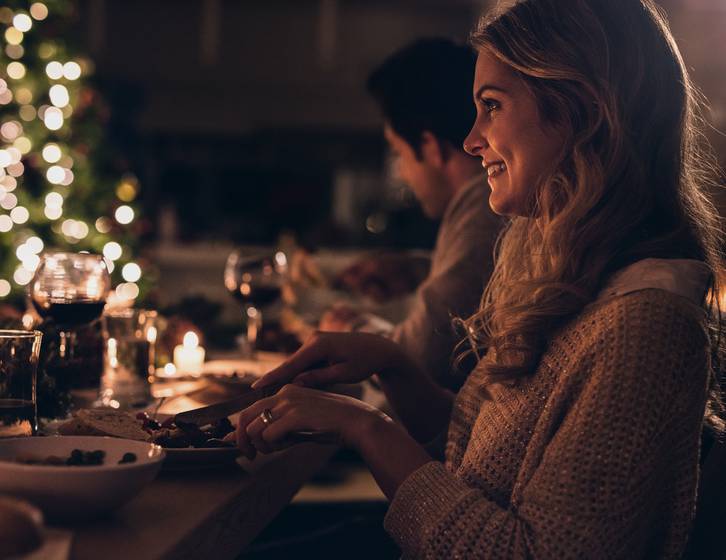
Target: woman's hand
[
  {"x": 328, "y": 358},
  {"x": 295, "y": 408},
  {"x": 386, "y": 447}
]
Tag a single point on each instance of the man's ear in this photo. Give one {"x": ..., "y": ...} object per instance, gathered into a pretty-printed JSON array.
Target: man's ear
[{"x": 433, "y": 151}]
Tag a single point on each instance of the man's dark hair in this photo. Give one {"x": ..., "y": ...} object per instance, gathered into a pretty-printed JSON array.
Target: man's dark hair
[{"x": 427, "y": 86}]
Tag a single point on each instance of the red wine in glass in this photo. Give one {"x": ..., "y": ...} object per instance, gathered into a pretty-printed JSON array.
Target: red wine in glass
[
  {"x": 70, "y": 314},
  {"x": 71, "y": 289},
  {"x": 259, "y": 296},
  {"x": 255, "y": 281}
]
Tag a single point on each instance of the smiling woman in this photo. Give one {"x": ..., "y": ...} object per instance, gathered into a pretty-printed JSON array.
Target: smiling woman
[{"x": 577, "y": 435}]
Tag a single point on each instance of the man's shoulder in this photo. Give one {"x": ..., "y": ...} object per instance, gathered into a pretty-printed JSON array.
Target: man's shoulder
[{"x": 469, "y": 214}]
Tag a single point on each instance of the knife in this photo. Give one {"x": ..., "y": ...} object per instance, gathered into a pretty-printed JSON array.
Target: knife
[{"x": 208, "y": 414}]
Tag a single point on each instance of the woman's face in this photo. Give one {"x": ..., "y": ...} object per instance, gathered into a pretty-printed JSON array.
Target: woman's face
[{"x": 517, "y": 148}]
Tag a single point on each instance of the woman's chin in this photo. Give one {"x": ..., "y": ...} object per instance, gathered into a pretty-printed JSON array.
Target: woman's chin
[{"x": 500, "y": 205}]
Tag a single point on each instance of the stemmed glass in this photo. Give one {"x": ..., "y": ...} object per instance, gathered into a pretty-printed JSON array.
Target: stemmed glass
[
  {"x": 254, "y": 279},
  {"x": 70, "y": 289}
]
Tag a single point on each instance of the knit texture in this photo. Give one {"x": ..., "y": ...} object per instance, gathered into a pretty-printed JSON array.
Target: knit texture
[{"x": 595, "y": 455}]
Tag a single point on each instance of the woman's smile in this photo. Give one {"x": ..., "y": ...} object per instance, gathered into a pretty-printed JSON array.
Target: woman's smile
[{"x": 494, "y": 169}]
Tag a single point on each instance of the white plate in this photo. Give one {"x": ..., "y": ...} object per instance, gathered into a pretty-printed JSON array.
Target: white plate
[
  {"x": 263, "y": 362},
  {"x": 232, "y": 382},
  {"x": 215, "y": 369},
  {"x": 73, "y": 492}
]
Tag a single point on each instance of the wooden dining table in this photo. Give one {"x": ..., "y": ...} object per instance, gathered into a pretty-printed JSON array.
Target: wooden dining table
[
  {"x": 212, "y": 513},
  {"x": 200, "y": 512}
]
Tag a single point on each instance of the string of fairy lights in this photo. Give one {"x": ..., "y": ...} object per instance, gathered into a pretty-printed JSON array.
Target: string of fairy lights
[{"x": 42, "y": 92}]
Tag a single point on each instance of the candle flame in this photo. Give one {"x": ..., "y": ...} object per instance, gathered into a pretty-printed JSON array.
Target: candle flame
[{"x": 191, "y": 340}]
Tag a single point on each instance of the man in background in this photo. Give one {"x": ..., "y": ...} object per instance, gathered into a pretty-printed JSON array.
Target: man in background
[{"x": 425, "y": 94}]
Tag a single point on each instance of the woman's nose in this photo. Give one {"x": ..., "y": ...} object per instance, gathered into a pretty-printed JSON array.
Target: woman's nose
[{"x": 473, "y": 143}]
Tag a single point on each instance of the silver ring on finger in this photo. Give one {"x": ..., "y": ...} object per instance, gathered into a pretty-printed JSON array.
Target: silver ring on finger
[{"x": 266, "y": 417}]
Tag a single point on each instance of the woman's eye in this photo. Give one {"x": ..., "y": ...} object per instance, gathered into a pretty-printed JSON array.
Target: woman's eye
[{"x": 490, "y": 105}]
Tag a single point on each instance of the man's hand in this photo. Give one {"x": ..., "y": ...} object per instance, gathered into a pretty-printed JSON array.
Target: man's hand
[
  {"x": 339, "y": 318},
  {"x": 384, "y": 277}
]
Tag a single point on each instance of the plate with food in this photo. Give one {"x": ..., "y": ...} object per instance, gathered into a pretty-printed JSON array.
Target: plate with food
[
  {"x": 191, "y": 446},
  {"x": 74, "y": 477},
  {"x": 187, "y": 447}
]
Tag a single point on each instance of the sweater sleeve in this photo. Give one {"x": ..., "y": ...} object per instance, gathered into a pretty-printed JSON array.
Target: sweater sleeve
[{"x": 622, "y": 445}]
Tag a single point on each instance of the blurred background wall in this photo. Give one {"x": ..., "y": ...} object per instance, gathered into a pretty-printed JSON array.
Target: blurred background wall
[{"x": 243, "y": 118}]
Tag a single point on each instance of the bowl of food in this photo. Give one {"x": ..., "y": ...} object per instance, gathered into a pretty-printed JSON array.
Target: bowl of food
[{"x": 72, "y": 477}]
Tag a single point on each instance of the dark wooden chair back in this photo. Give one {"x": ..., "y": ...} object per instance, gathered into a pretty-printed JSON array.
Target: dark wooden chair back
[{"x": 708, "y": 538}]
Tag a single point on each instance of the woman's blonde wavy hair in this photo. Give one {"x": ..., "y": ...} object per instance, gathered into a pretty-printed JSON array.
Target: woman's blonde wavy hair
[{"x": 633, "y": 182}]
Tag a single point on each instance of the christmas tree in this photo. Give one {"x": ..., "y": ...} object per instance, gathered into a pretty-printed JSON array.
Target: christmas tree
[{"x": 61, "y": 186}]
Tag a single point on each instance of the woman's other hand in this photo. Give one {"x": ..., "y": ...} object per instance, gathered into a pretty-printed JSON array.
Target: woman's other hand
[{"x": 328, "y": 358}]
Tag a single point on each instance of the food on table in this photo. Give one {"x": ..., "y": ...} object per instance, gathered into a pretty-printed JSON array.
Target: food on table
[
  {"x": 128, "y": 458},
  {"x": 104, "y": 422},
  {"x": 142, "y": 427},
  {"x": 190, "y": 435},
  {"x": 19, "y": 528},
  {"x": 81, "y": 458},
  {"x": 77, "y": 458}
]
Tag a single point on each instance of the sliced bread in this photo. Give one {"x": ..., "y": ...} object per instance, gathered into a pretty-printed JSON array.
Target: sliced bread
[{"x": 104, "y": 422}]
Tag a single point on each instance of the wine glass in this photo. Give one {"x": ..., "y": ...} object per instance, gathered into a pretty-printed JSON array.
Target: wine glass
[
  {"x": 254, "y": 279},
  {"x": 71, "y": 290}
]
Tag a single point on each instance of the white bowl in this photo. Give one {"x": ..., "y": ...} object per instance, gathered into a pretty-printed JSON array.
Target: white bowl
[{"x": 73, "y": 492}]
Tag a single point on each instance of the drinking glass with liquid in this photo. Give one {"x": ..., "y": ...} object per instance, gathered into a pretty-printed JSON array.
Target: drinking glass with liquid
[
  {"x": 255, "y": 280},
  {"x": 129, "y": 356},
  {"x": 69, "y": 291},
  {"x": 19, "y": 351}
]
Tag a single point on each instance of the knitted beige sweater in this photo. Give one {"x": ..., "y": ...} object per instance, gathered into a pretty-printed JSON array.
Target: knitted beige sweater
[{"x": 593, "y": 456}]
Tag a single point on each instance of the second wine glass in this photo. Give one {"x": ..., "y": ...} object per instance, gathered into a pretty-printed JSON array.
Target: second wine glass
[{"x": 255, "y": 280}]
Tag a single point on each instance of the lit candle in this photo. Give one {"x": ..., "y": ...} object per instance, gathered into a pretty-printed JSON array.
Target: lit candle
[{"x": 189, "y": 357}]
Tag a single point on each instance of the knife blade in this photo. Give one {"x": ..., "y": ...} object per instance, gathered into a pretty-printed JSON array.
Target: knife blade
[{"x": 208, "y": 414}]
